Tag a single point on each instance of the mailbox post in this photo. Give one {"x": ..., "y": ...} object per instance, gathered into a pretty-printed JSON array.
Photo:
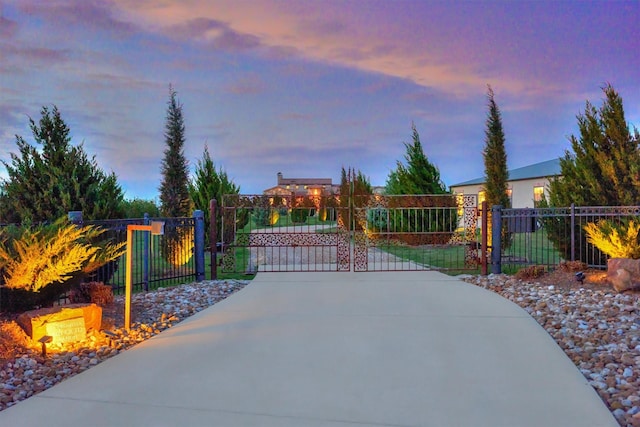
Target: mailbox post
[{"x": 156, "y": 227}]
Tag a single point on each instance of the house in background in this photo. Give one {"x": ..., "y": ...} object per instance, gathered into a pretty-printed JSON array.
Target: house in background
[
  {"x": 302, "y": 187},
  {"x": 526, "y": 185}
]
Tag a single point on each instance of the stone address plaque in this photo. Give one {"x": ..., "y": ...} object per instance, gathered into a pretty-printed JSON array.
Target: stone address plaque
[{"x": 67, "y": 330}]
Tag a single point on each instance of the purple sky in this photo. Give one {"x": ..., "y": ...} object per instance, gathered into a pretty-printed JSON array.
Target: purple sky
[{"x": 305, "y": 87}]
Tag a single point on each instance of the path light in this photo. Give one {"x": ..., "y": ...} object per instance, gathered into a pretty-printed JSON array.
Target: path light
[
  {"x": 44, "y": 341},
  {"x": 156, "y": 228}
]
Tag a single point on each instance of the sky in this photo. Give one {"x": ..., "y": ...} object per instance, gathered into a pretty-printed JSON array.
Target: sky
[{"x": 307, "y": 87}]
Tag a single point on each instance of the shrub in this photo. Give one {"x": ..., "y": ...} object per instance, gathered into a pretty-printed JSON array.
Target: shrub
[
  {"x": 266, "y": 217},
  {"x": 39, "y": 264},
  {"x": 177, "y": 246},
  {"x": 93, "y": 292},
  {"x": 299, "y": 215},
  {"x": 617, "y": 240},
  {"x": 572, "y": 266},
  {"x": 531, "y": 272}
]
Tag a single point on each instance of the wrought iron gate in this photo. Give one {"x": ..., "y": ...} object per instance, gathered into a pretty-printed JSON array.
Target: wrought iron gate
[{"x": 291, "y": 232}]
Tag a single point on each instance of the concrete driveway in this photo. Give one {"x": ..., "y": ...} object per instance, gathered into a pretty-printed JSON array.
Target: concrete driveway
[{"x": 335, "y": 349}]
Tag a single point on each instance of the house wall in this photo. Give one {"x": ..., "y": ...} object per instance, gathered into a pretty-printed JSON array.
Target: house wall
[{"x": 522, "y": 191}]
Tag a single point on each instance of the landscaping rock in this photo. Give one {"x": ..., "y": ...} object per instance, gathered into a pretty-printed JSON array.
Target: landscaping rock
[{"x": 624, "y": 273}]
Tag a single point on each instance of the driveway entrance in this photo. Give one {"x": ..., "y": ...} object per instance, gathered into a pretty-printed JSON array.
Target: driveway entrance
[{"x": 358, "y": 233}]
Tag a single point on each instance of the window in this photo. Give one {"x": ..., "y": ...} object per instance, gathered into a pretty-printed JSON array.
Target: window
[{"x": 538, "y": 195}]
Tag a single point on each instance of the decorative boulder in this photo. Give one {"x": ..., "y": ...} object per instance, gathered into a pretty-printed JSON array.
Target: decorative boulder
[
  {"x": 64, "y": 324},
  {"x": 624, "y": 273}
]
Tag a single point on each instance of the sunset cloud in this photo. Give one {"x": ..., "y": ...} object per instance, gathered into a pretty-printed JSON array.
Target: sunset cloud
[{"x": 305, "y": 87}]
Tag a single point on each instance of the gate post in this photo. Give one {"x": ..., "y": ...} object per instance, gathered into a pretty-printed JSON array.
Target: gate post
[
  {"x": 199, "y": 244},
  {"x": 496, "y": 237},
  {"x": 483, "y": 238},
  {"x": 213, "y": 237},
  {"x": 573, "y": 232}
]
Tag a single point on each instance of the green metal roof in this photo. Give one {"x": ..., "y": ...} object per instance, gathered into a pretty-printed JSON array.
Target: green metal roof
[{"x": 537, "y": 170}]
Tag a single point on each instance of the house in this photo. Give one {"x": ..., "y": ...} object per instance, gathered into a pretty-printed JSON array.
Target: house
[
  {"x": 526, "y": 185},
  {"x": 302, "y": 187}
]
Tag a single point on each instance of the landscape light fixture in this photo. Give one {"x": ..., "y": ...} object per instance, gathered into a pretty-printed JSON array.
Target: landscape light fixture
[{"x": 44, "y": 341}]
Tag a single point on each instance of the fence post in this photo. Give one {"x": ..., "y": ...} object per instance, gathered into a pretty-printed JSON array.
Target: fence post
[
  {"x": 145, "y": 257},
  {"x": 75, "y": 217},
  {"x": 496, "y": 238},
  {"x": 483, "y": 238},
  {"x": 213, "y": 237},
  {"x": 199, "y": 244},
  {"x": 573, "y": 232}
]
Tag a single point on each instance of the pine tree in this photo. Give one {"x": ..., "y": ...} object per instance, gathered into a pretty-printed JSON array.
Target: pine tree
[
  {"x": 495, "y": 157},
  {"x": 603, "y": 170},
  {"x": 210, "y": 183},
  {"x": 46, "y": 184},
  {"x": 418, "y": 176},
  {"x": 174, "y": 189},
  {"x": 419, "y": 180}
]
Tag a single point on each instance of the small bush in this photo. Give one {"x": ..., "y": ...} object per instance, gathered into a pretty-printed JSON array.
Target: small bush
[
  {"x": 617, "y": 240},
  {"x": 531, "y": 272},
  {"x": 92, "y": 292},
  {"x": 299, "y": 215},
  {"x": 572, "y": 266}
]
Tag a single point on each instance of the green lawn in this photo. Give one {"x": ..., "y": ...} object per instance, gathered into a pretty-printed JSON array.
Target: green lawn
[{"x": 532, "y": 249}]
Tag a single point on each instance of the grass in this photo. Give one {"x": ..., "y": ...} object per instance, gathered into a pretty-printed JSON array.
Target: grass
[
  {"x": 283, "y": 221},
  {"x": 527, "y": 248},
  {"x": 532, "y": 249},
  {"x": 439, "y": 257}
]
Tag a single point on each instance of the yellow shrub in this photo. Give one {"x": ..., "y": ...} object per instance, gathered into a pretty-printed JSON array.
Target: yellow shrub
[
  {"x": 615, "y": 240},
  {"x": 179, "y": 248},
  {"x": 52, "y": 254},
  {"x": 274, "y": 216}
]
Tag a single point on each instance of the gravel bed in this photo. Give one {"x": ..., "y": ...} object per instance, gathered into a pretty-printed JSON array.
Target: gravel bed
[
  {"x": 152, "y": 313},
  {"x": 599, "y": 330}
]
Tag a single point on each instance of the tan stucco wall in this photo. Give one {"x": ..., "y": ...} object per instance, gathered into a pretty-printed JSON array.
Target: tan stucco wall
[{"x": 521, "y": 191}]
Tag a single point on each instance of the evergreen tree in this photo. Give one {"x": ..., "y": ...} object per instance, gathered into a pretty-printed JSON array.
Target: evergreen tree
[
  {"x": 419, "y": 180},
  {"x": 355, "y": 189},
  {"x": 418, "y": 176},
  {"x": 136, "y": 208},
  {"x": 210, "y": 183},
  {"x": 174, "y": 189},
  {"x": 45, "y": 184},
  {"x": 603, "y": 170},
  {"x": 495, "y": 158}
]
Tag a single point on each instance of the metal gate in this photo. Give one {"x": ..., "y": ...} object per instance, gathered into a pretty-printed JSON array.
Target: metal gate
[{"x": 290, "y": 232}]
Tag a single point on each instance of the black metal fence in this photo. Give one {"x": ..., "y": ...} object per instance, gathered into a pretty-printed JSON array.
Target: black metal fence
[
  {"x": 158, "y": 260},
  {"x": 549, "y": 236}
]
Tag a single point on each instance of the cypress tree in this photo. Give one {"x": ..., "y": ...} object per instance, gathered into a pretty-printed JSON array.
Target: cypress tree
[
  {"x": 495, "y": 157},
  {"x": 174, "y": 189}
]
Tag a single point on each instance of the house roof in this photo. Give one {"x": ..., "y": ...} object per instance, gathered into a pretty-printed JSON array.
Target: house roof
[{"x": 537, "y": 170}]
